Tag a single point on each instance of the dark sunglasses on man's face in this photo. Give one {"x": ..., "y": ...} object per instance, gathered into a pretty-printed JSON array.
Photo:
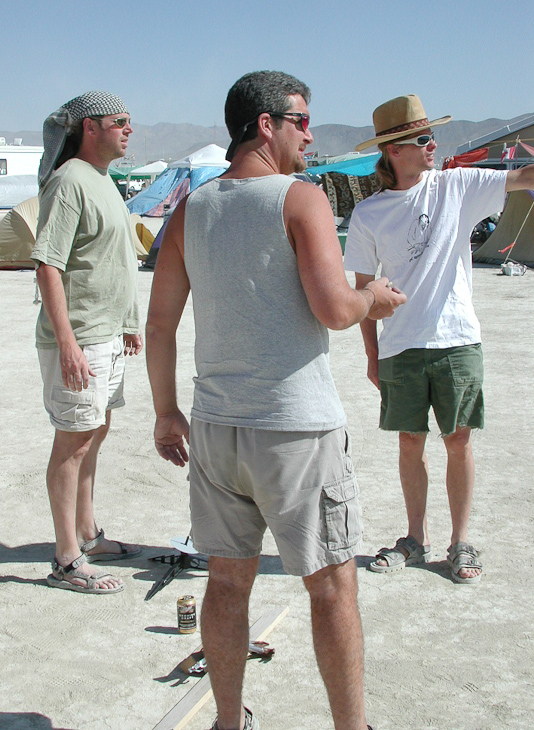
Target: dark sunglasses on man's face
[
  {"x": 121, "y": 122},
  {"x": 422, "y": 141},
  {"x": 300, "y": 118}
]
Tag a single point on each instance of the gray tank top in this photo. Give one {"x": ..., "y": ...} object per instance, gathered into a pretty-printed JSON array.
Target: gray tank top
[{"x": 261, "y": 355}]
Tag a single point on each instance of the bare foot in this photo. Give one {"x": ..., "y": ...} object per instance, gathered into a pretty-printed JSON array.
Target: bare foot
[
  {"x": 469, "y": 572},
  {"x": 464, "y": 563},
  {"x": 406, "y": 551}
]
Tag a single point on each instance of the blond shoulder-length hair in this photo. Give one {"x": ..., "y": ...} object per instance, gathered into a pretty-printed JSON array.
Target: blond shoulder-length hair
[{"x": 384, "y": 169}]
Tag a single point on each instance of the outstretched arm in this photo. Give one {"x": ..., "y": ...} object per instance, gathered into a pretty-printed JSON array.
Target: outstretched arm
[
  {"x": 170, "y": 289},
  {"x": 522, "y": 179},
  {"x": 311, "y": 230}
]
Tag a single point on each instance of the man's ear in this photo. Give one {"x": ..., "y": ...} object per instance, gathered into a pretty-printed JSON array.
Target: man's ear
[
  {"x": 265, "y": 125},
  {"x": 89, "y": 125},
  {"x": 393, "y": 150}
]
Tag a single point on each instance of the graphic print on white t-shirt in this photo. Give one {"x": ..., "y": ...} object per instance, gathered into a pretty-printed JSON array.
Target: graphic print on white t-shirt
[
  {"x": 430, "y": 263},
  {"x": 419, "y": 236}
]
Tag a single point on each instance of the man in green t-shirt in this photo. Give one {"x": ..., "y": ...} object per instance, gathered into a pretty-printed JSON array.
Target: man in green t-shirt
[{"x": 86, "y": 269}]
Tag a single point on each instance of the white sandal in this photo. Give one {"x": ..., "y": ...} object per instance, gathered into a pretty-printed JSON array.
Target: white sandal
[{"x": 396, "y": 559}]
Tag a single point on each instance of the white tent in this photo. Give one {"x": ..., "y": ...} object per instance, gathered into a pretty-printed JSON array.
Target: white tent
[
  {"x": 151, "y": 170},
  {"x": 210, "y": 156},
  {"x": 148, "y": 173}
]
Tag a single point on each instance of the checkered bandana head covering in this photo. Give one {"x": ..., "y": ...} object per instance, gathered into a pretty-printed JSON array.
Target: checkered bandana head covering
[{"x": 57, "y": 126}]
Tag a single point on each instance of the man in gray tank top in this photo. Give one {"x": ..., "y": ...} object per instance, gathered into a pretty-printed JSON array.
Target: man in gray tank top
[{"x": 268, "y": 443}]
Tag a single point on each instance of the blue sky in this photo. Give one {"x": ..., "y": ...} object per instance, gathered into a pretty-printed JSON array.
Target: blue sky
[{"x": 173, "y": 61}]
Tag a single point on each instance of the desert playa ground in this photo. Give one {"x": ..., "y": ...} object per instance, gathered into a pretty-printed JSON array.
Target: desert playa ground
[{"x": 438, "y": 656}]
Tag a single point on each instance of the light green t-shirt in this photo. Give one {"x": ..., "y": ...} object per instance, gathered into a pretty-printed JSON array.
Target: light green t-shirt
[{"x": 84, "y": 231}]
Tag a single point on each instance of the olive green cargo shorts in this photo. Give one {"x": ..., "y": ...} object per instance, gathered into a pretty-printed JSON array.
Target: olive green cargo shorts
[{"x": 448, "y": 380}]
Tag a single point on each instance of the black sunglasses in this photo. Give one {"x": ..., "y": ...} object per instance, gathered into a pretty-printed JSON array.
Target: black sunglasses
[{"x": 121, "y": 122}]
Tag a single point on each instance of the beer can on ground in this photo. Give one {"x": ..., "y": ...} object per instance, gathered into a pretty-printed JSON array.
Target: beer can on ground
[{"x": 187, "y": 614}]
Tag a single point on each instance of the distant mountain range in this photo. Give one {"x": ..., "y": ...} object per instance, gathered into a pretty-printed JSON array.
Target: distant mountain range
[
  {"x": 169, "y": 142},
  {"x": 338, "y": 139}
]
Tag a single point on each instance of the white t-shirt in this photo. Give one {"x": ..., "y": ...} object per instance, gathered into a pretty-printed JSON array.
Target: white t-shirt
[{"x": 421, "y": 238}]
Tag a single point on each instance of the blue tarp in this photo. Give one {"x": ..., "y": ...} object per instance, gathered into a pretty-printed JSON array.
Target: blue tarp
[
  {"x": 360, "y": 167},
  {"x": 200, "y": 175},
  {"x": 167, "y": 182},
  {"x": 158, "y": 191}
]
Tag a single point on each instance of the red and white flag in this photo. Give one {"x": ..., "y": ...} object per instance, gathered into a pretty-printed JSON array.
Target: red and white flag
[{"x": 508, "y": 153}]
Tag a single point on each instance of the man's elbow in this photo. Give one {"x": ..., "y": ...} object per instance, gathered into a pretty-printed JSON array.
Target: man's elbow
[
  {"x": 337, "y": 323},
  {"x": 151, "y": 331},
  {"x": 338, "y": 319},
  {"x": 157, "y": 330}
]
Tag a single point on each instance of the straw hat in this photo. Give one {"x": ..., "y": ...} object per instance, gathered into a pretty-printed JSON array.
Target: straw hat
[{"x": 399, "y": 117}]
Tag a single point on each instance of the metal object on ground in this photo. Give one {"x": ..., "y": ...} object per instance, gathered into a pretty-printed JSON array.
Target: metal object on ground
[
  {"x": 511, "y": 268},
  {"x": 178, "y": 561},
  {"x": 178, "y": 717},
  {"x": 255, "y": 649}
]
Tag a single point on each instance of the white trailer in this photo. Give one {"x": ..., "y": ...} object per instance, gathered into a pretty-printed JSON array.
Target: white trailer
[{"x": 19, "y": 159}]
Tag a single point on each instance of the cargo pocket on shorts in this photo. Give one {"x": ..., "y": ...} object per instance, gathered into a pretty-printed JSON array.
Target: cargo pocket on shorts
[
  {"x": 467, "y": 366},
  {"x": 340, "y": 517},
  {"x": 391, "y": 371},
  {"x": 73, "y": 407}
]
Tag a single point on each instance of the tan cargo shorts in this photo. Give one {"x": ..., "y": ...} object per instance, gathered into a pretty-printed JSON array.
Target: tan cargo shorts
[
  {"x": 299, "y": 484},
  {"x": 84, "y": 410}
]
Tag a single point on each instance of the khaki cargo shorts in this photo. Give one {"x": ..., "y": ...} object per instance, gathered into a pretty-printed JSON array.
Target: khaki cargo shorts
[
  {"x": 299, "y": 484},
  {"x": 85, "y": 410}
]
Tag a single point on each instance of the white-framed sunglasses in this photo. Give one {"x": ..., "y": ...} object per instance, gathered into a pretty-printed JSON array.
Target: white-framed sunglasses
[{"x": 422, "y": 141}]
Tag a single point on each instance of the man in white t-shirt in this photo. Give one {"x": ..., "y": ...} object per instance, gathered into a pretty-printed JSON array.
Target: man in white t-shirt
[{"x": 417, "y": 227}]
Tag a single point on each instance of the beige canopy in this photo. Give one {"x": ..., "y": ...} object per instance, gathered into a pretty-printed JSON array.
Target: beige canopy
[
  {"x": 19, "y": 226},
  {"x": 17, "y": 235}
]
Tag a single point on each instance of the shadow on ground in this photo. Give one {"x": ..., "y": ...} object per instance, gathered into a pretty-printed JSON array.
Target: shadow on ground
[
  {"x": 439, "y": 567},
  {"x": 27, "y": 721},
  {"x": 43, "y": 552}
]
